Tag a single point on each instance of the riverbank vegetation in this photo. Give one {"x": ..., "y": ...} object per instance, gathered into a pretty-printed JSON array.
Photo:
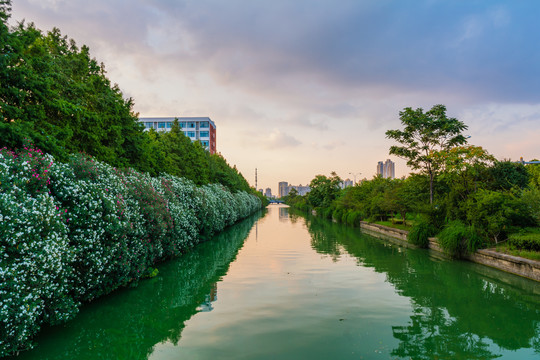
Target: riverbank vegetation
[
  {"x": 89, "y": 201},
  {"x": 461, "y": 193},
  {"x": 71, "y": 232}
]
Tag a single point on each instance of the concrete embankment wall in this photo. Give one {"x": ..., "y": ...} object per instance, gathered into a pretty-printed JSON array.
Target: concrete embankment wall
[{"x": 489, "y": 257}]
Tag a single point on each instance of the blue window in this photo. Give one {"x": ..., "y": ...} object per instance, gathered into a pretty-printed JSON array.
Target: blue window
[
  {"x": 205, "y": 134},
  {"x": 161, "y": 125},
  {"x": 149, "y": 125},
  {"x": 169, "y": 125},
  {"x": 191, "y": 134},
  {"x": 182, "y": 125},
  {"x": 204, "y": 124},
  {"x": 204, "y": 143},
  {"x": 191, "y": 125}
]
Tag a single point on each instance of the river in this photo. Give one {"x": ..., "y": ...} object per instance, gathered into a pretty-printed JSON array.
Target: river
[{"x": 282, "y": 286}]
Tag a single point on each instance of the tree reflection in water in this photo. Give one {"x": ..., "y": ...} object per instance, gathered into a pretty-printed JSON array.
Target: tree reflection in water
[{"x": 459, "y": 308}]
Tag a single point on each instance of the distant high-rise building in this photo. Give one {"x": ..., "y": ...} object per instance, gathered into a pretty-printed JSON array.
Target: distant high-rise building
[
  {"x": 268, "y": 193},
  {"x": 346, "y": 183},
  {"x": 380, "y": 168},
  {"x": 283, "y": 189},
  {"x": 389, "y": 169},
  {"x": 196, "y": 128},
  {"x": 300, "y": 190},
  {"x": 386, "y": 169}
]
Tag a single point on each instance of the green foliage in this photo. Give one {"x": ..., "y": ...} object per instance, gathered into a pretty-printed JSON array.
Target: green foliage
[
  {"x": 458, "y": 239},
  {"x": 492, "y": 212},
  {"x": 353, "y": 218},
  {"x": 531, "y": 201},
  {"x": 324, "y": 190},
  {"x": 420, "y": 232},
  {"x": 526, "y": 239},
  {"x": 71, "y": 232},
  {"x": 423, "y": 135},
  {"x": 56, "y": 95},
  {"x": 506, "y": 175},
  {"x": 534, "y": 175}
]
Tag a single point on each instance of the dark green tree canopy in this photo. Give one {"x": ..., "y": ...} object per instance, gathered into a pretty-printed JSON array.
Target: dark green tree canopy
[
  {"x": 56, "y": 96},
  {"x": 324, "y": 190}
]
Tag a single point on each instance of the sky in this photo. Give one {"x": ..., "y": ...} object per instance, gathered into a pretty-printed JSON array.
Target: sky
[{"x": 306, "y": 87}]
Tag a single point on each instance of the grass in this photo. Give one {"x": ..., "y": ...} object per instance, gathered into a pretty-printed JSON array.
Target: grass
[
  {"x": 510, "y": 250},
  {"x": 407, "y": 226}
]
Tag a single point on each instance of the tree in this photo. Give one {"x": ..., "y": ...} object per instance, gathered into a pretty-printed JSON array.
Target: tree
[
  {"x": 425, "y": 134},
  {"x": 324, "y": 190},
  {"x": 506, "y": 175}
]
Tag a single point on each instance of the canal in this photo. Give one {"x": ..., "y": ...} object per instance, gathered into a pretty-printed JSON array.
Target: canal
[{"x": 280, "y": 286}]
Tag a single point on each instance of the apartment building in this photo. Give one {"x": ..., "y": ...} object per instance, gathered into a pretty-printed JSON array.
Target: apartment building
[
  {"x": 386, "y": 169},
  {"x": 201, "y": 129}
]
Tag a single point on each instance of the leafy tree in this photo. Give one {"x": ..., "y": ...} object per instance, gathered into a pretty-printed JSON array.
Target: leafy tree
[
  {"x": 464, "y": 171},
  {"x": 494, "y": 211},
  {"x": 423, "y": 135},
  {"x": 182, "y": 157},
  {"x": 534, "y": 172},
  {"x": 324, "y": 190},
  {"x": 505, "y": 175}
]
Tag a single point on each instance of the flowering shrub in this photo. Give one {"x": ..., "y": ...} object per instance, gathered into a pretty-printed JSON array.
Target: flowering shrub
[
  {"x": 72, "y": 232},
  {"x": 34, "y": 251}
]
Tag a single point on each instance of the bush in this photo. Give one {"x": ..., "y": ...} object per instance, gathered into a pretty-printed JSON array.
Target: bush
[
  {"x": 458, "y": 239},
  {"x": 353, "y": 218},
  {"x": 420, "y": 232},
  {"x": 72, "y": 232},
  {"x": 527, "y": 239},
  {"x": 493, "y": 212},
  {"x": 531, "y": 199}
]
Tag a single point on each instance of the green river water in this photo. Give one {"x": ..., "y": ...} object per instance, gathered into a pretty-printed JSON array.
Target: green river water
[{"x": 280, "y": 286}]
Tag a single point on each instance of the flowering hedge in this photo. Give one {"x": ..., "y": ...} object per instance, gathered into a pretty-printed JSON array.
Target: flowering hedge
[{"x": 71, "y": 232}]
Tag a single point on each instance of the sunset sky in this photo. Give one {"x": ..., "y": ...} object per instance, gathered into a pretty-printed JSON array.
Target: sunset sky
[{"x": 306, "y": 87}]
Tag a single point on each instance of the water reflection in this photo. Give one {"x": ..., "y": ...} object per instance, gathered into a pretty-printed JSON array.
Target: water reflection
[
  {"x": 459, "y": 309},
  {"x": 284, "y": 214},
  {"x": 128, "y": 323}
]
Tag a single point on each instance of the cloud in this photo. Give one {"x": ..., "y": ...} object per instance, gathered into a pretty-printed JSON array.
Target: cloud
[
  {"x": 291, "y": 51},
  {"x": 286, "y": 74},
  {"x": 279, "y": 140}
]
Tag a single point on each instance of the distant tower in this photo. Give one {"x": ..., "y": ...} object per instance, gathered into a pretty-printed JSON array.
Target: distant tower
[
  {"x": 389, "y": 169},
  {"x": 283, "y": 189},
  {"x": 386, "y": 169},
  {"x": 255, "y": 178},
  {"x": 380, "y": 168}
]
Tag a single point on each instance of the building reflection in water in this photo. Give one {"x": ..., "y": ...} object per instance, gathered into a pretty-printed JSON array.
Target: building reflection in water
[
  {"x": 284, "y": 213},
  {"x": 206, "y": 305}
]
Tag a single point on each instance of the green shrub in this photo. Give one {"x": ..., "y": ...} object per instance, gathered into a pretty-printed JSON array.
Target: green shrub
[
  {"x": 337, "y": 215},
  {"x": 528, "y": 239},
  {"x": 457, "y": 238},
  {"x": 75, "y": 231},
  {"x": 420, "y": 232},
  {"x": 353, "y": 218}
]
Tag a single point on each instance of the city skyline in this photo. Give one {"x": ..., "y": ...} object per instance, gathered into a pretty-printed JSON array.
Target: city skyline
[{"x": 317, "y": 93}]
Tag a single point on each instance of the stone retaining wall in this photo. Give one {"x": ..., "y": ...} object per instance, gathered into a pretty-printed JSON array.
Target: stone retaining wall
[{"x": 489, "y": 257}]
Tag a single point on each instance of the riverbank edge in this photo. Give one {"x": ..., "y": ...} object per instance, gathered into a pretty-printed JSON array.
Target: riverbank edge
[{"x": 489, "y": 257}]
